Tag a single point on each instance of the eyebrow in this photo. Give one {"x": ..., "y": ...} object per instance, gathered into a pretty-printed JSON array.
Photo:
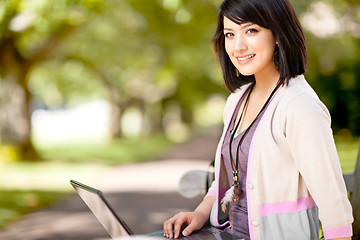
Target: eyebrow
[{"x": 245, "y": 26}]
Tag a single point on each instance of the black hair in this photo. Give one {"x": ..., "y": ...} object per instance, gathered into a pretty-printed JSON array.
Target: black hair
[{"x": 290, "y": 55}]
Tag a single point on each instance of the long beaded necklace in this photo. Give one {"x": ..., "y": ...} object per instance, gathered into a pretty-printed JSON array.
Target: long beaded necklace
[{"x": 234, "y": 193}]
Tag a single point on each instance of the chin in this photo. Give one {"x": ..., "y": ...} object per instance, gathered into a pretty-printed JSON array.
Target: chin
[{"x": 247, "y": 74}]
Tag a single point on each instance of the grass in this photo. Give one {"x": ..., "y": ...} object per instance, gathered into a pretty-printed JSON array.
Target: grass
[
  {"x": 15, "y": 203},
  {"x": 119, "y": 151},
  {"x": 348, "y": 150},
  {"x": 27, "y": 186}
]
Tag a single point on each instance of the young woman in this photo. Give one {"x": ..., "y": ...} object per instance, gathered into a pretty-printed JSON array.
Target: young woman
[{"x": 277, "y": 169}]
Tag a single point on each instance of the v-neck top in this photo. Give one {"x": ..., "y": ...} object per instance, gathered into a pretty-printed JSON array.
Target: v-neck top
[{"x": 239, "y": 208}]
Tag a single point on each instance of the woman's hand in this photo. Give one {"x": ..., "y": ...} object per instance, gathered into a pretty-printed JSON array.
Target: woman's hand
[{"x": 193, "y": 221}]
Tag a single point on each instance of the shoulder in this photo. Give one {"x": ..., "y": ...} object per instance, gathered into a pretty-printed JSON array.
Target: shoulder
[
  {"x": 299, "y": 97},
  {"x": 299, "y": 87},
  {"x": 299, "y": 101}
]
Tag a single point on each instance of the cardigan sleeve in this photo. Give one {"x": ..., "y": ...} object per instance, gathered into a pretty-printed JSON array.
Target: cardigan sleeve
[{"x": 309, "y": 136}]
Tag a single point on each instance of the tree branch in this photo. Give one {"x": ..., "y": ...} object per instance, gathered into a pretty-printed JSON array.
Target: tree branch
[{"x": 47, "y": 49}]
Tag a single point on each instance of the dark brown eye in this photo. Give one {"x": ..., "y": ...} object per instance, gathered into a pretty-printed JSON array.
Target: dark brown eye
[
  {"x": 252, "y": 30},
  {"x": 229, "y": 34}
]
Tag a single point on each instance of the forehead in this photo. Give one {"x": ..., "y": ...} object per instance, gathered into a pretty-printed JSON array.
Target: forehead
[{"x": 230, "y": 24}]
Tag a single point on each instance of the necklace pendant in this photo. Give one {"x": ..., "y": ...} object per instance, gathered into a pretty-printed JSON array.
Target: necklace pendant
[
  {"x": 236, "y": 194},
  {"x": 237, "y": 191}
]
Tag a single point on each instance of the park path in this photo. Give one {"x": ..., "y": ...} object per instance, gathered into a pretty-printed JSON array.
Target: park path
[{"x": 143, "y": 194}]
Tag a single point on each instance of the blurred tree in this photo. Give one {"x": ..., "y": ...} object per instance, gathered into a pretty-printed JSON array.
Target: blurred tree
[
  {"x": 146, "y": 55},
  {"x": 333, "y": 36},
  {"x": 150, "y": 55},
  {"x": 30, "y": 32},
  {"x": 140, "y": 53}
]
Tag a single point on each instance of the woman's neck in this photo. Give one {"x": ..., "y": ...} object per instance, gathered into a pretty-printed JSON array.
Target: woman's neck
[{"x": 267, "y": 81}]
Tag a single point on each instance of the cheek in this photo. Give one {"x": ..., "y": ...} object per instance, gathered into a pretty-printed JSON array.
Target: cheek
[
  {"x": 228, "y": 48},
  {"x": 262, "y": 43},
  {"x": 257, "y": 44}
]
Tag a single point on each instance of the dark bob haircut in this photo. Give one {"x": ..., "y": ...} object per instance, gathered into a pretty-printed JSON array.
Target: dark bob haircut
[{"x": 290, "y": 56}]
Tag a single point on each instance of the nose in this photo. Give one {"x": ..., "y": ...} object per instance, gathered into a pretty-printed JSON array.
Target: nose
[{"x": 240, "y": 43}]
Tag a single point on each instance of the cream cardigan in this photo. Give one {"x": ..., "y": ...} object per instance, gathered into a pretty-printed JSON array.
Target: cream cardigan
[{"x": 294, "y": 176}]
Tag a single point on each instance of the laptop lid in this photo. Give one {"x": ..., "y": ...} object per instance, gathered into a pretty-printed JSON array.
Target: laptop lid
[
  {"x": 116, "y": 227},
  {"x": 100, "y": 207}
]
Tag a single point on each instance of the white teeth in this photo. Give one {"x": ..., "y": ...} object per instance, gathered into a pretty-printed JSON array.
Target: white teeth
[{"x": 247, "y": 57}]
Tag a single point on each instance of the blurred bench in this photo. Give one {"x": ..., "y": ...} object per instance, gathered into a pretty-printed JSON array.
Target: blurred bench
[
  {"x": 352, "y": 182},
  {"x": 350, "y": 179}
]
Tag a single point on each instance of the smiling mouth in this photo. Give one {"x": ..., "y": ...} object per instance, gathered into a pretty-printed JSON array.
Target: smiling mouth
[{"x": 246, "y": 58}]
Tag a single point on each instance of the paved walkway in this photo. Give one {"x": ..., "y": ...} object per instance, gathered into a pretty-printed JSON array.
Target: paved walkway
[{"x": 144, "y": 195}]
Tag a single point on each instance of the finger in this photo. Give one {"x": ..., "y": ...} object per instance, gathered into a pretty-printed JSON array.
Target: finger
[
  {"x": 177, "y": 227},
  {"x": 189, "y": 229},
  {"x": 168, "y": 227}
]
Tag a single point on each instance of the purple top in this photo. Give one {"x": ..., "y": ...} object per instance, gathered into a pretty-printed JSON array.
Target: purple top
[{"x": 239, "y": 208}]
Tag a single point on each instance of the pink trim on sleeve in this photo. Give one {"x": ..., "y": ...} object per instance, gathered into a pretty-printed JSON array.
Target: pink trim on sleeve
[
  {"x": 210, "y": 193},
  {"x": 339, "y": 232},
  {"x": 301, "y": 204}
]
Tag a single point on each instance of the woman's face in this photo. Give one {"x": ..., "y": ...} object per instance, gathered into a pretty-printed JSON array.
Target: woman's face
[{"x": 250, "y": 47}]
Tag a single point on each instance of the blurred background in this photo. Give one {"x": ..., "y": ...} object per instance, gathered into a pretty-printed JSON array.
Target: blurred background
[{"x": 86, "y": 85}]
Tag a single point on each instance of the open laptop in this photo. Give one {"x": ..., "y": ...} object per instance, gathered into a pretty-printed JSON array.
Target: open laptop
[{"x": 116, "y": 227}]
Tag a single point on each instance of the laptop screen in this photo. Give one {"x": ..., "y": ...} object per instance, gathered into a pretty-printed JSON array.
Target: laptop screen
[{"x": 95, "y": 200}]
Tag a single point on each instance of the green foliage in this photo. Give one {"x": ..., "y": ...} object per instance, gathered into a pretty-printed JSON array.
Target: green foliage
[
  {"x": 348, "y": 151},
  {"x": 160, "y": 51},
  {"x": 57, "y": 83},
  {"x": 117, "y": 152},
  {"x": 64, "y": 163},
  {"x": 334, "y": 72},
  {"x": 136, "y": 41},
  {"x": 151, "y": 54},
  {"x": 14, "y": 204},
  {"x": 8, "y": 153}
]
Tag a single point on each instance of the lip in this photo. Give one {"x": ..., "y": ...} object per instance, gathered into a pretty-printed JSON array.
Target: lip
[{"x": 245, "y": 59}]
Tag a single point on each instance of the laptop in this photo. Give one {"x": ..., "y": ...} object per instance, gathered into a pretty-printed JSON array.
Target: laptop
[{"x": 117, "y": 228}]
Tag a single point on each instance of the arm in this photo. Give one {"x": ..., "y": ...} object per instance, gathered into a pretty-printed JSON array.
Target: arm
[
  {"x": 194, "y": 220},
  {"x": 310, "y": 140}
]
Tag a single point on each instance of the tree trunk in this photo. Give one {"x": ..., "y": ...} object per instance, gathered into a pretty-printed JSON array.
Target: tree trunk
[
  {"x": 15, "y": 120},
  {"x": 115, "y": 118},
  {"x": 27, "y": 149}
]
